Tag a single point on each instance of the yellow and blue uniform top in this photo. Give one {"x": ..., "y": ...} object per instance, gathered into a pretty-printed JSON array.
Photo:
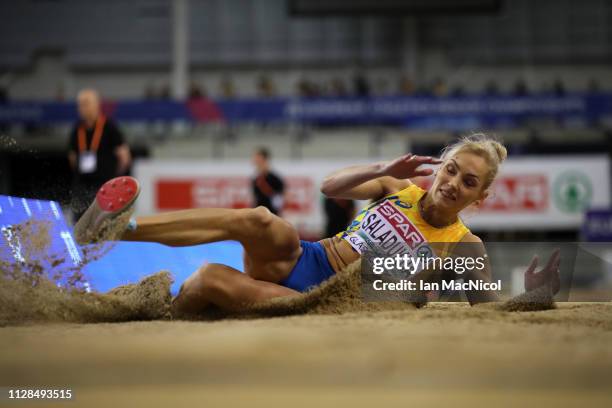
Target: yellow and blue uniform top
[{"x": 393, "y": 225}]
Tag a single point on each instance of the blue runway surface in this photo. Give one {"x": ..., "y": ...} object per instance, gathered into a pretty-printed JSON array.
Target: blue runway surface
[{"x": 125, "y": 262}]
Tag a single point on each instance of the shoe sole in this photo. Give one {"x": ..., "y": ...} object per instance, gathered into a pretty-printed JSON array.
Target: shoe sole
[{"x": 112, "y": 199}]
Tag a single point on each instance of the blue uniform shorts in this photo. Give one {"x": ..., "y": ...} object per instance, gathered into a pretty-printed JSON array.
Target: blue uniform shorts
[{"x": 311, "y": 269}]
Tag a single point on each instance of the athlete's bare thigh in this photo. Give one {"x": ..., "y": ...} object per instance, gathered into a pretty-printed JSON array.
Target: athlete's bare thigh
[{"x": 271, "y": 244}]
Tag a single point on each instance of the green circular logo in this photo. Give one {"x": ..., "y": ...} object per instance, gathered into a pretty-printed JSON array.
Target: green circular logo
[{"x": 572, "y": 191}]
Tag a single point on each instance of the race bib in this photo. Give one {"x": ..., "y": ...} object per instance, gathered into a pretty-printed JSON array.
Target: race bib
[
  {"x": 88, "y": 162},
  {"x": 385, "y": 231}
]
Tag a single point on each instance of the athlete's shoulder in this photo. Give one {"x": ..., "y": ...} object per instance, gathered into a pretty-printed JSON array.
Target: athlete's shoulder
[
  {"x": 391, "y": 185},
  {"x": 410, "y": 193},
  {"x": 470, "y": 237},
  {"x": 470, "y": 245},
  {"x": 414, "y": 187},
  {"x": 406, "y": 187}
]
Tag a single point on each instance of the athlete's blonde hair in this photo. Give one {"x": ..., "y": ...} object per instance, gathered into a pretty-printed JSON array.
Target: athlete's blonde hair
[{"x": 485, "y": 146}]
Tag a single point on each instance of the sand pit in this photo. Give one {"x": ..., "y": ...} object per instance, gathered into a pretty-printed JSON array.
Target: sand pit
[
  {"x": 29, "y": 294},
  {"x": 30, "y": 299},
  {"x": 326, "y": 347},
  {"x": 442, "y": 353}
]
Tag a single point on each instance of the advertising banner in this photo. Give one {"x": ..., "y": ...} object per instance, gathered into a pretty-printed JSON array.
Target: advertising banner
[
  {"x": 598, "y": 226},
  {"x": 418, "y": 111},
  {"x": 530, "y": 193}
]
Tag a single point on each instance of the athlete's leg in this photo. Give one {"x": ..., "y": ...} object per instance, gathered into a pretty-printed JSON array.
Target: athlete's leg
[
  {"x": 224, "y": 287},
  {"x": 271, "y": 244}
]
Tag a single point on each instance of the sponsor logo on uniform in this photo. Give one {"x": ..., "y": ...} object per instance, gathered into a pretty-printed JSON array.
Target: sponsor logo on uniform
[{"x": 385, "y": 230}]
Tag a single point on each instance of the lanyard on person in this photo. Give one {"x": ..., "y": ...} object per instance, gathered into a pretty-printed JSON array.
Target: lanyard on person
[
  {"x": 88, "y": 162},
  {"x": 97, "y": 136}
]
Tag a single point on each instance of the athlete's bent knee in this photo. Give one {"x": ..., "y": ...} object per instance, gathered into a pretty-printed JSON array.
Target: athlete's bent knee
[
  {"x": 260, "y": 217},
  {"x": 214, "y": 279}
]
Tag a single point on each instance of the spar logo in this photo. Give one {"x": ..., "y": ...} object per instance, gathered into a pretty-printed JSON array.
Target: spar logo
[
  {"x": 512, "y": 193},
  {"x": 572, "y": 191},
  {"x": 518, "y": 193},
  {"x": 227, "y": 192},
  {"x": 402, "y": 225}
]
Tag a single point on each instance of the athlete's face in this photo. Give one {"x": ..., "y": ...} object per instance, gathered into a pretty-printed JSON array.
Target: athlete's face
[{"x": 460, "y": 181}]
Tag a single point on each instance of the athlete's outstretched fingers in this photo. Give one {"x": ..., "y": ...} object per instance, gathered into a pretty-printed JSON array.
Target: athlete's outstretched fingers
[
  {"x": 534, "y": 263},
  {"x": 532, "y": 279},
  {"x": 555, "y": 258},
  {"x": 552, "y": 266},
  {"x": 423, "y": 172},
  {"x": 549, "y": 275},
  {"x": 427, "y": 160},
  {"x": 552, "y": 269}
]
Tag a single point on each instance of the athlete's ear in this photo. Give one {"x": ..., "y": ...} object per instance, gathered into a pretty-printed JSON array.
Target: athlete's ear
[{"x": 478, "y": 203}]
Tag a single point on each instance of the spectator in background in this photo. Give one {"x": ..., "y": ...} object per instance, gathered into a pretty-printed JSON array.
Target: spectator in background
[
  {"x": 307, "y": 89},
  {"x": 457, "y": 90},
  {"x": 406, "y": 86},
  {"x": 382, "y": 87},
  {"x": 227, "y": 89},
  {"x": 439, "y": 88},
  {"x": 520, "y": 88},
  {"x": 303, "y": 88},
  {"x": 339, "y": 213},
  {"x": 164, "y": 93},
  {"x": 593, "y": 86},
  {"x": 196, "y": 92},
  {"x": 149, "y": 93},
  {"x": 97, "y": 151},
  {"x": 491, "y": 88},
  {"x": 268, "y": 187},
  {"x": 201, "y": 109},
  {"x": 361, "y": 84},
  {"x": 338, "y": 88},
  {"x": 60, "y": 93},
  {"x": 534, "y": 143},
  {"x": 265, "y": 87},
  {"x": 558, "y": 88}
]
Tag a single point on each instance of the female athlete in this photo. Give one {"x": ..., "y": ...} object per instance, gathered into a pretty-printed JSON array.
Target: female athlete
[{"x": 277, "y": 263}]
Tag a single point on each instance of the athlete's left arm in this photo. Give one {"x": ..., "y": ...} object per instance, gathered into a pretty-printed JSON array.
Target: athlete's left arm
[
  {"x": 472, "y": 246},
  {"x": 374, "y": 181}
]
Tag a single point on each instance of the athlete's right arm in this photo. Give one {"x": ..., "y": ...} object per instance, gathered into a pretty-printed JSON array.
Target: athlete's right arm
[{"x": 373, "y": 181}]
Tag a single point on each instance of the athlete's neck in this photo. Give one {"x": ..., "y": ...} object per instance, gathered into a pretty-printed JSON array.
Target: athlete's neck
[{"x": 433, "y": 215}]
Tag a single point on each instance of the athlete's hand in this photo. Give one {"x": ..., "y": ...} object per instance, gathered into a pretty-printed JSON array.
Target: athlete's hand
[
  {"x": 408, "y": 166},
  {"x": 549, "y": 275}
]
